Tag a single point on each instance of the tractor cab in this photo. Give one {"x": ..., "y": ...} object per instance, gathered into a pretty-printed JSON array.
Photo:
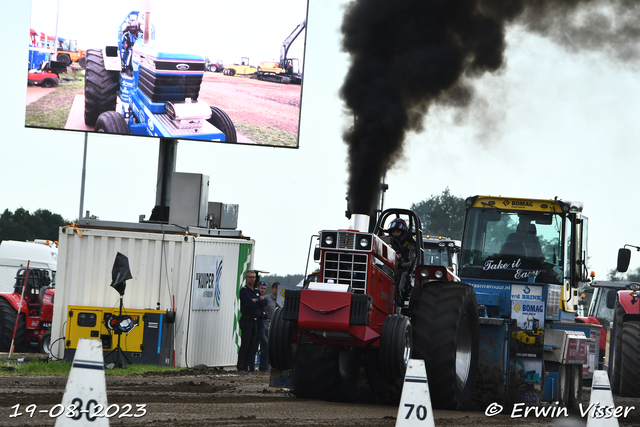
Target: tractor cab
[
  {"x": 439, "y": 250},
  {"x": 37, "y": 283},
  {"x": 401, "y": 229}
]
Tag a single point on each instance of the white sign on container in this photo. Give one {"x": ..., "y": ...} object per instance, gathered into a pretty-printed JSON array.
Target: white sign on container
[{"x": 206, "y": 282}]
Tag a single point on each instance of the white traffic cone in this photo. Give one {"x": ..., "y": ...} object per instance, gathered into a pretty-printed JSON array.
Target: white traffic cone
[
  {"x": 415, "y": 403},
  {"x": 86, "y": 388}
]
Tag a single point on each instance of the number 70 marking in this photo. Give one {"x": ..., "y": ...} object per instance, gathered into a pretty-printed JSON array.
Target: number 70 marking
[{"x": 421, "y": 411}]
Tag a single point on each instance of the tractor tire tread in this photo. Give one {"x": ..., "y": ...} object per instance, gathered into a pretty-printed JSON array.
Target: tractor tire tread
[
  {"x": 7, "y": 326},
  {"x": 438, "y": 310},
  {"x": 630, "y": 369},
  {"x": 100, "y": 87}
]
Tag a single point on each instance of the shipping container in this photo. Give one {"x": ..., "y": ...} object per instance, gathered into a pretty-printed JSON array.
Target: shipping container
[{"x": 197, "y": 276}]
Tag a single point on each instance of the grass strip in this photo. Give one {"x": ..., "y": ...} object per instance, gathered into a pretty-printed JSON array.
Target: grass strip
[
  {"x": 267, "y": 135},
  {"x": 44, "y": 367},
  {"x": 52, "y": 110}
]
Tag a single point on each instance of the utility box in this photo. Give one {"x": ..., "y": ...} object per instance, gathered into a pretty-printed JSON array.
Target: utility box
[
  {"x": 150, "y": 342},
  {"x": 223, "y": 215},
  {"x": 189, "y": 199}
]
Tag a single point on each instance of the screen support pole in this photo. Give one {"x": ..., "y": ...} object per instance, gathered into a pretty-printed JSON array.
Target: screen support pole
[
  {"x": 166, "y": 167},
  {"x": 84, "y": 174}
]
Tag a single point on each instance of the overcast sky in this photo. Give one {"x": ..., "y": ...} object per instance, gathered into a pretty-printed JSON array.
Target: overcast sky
[
  {"x": 222, "y": 29},
  {"x": 551, "y": 123}
]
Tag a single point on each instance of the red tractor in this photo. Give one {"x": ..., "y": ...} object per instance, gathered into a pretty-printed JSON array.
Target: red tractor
[
  {"x": 33, "y": 329},
  {"x": 624, "y": 343},
  {"x": 371, "y": 310}
]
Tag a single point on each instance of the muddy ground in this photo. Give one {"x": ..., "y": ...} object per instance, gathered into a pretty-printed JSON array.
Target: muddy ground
[
  {"x": 252, "y": 101},
  {"x": 217, "y": 397}
]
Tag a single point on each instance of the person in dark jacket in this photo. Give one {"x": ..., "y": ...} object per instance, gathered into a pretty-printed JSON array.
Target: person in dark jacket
[
  {"x": 261, "y": 339},
  {"x": 251, "y": 308},
  {"x": 404, "y": 245}
]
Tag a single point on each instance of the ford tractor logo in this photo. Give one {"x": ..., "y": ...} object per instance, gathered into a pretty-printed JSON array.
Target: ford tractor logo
[{"x": 182, "y": 67}]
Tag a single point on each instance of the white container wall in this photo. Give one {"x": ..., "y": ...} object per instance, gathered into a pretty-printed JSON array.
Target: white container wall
[{"x": 163, "y": 267}]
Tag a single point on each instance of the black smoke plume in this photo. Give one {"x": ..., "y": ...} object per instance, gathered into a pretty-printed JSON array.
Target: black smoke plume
[{"x": 407, "y": 55}]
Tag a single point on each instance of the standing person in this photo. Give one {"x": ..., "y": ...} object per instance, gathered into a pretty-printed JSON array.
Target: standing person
[
  {"x": 251, "y": 309},
  {"x": 262, "y": 340},
  {"x": 271, "y": 306}
]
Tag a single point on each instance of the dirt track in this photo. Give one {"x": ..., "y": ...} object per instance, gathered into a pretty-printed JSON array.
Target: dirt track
[
  {"x": 253, "y": 101},
  {"x": 213, "y": 397}
]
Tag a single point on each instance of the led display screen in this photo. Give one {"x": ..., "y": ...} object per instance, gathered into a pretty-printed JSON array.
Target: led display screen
[{"x": 205, "y": 70}]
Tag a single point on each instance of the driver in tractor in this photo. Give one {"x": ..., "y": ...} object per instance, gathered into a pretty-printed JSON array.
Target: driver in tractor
[
  {"x": 130, "y": 33},
  {"x": 525, "y": 236},
  {"x": 405, "y": 247}
]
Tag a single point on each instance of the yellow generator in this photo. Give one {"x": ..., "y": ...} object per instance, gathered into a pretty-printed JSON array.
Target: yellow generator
[{"x": 146, "y": 336}]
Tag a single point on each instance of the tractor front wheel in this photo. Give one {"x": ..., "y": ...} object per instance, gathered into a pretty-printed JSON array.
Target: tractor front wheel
[
  {"x": 222, "y": 121},
  {"x": 112, "y": 122},
  {"x": 45, "y": 343},
  {"x": 629, "y": 367},
  {"x": 8, "y": 316},
  {"x": 282, "y": 349},
  {"x": 445, "y": 334},
  {"x": 396, "y": 342}
]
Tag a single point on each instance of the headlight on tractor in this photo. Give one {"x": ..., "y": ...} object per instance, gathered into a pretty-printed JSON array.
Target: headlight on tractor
[
  {"x": 364, "y": 241},
  {"x": 328, "y": 239}
]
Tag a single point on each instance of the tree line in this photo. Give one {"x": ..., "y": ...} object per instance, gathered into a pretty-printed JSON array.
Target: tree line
[
  {"x": 23, "y": 225},
  {"x": 441, "y": 215}
]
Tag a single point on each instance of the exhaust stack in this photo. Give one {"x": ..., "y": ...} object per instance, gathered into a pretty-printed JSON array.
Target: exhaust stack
[
  {"x": 147, "y": 27},
  {"x": 361, "y": 222}
]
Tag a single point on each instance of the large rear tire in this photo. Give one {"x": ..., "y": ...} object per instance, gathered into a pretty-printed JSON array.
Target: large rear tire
[
  {"x": 282, "y": 350},
  {"x": 112, "y": 122},
  {"x": 100, "y": 88},
  {"x": 615, "y": 349},
  {"x": 316, "y": 374},
  {"x": 222, "y": 121},
  {"x": 630, "y": 366},
  {"x": 8, "y": 324},
  {"x": 445, "y": 335},
  {"x": 396, "y": 342}
]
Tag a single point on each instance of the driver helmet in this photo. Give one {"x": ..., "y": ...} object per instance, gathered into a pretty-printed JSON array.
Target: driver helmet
[{"x": 399, "y": 224}]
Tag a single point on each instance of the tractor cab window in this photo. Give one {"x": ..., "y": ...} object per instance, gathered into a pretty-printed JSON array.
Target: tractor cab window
[
  {"x": 435, "y": 255},
  {"x": 513, "y": 245},
  {"x": 439, "y": 253},
  {"x": 603, "y": 313}
]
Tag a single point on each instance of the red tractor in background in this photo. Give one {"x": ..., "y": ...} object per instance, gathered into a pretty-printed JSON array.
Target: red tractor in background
[
  {"x": 356, "y": 316},
  {"x": 33, "y": 329},
  {"x": 624, "y": 343}
]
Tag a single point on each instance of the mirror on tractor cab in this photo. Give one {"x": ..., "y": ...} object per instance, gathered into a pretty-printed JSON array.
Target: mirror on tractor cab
[
  {"x": 624, "y": 257},
  {"x": 492, "y": 215},
  {"x": 544, "y": 219},
  {"x": 612, "y": 295}
]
